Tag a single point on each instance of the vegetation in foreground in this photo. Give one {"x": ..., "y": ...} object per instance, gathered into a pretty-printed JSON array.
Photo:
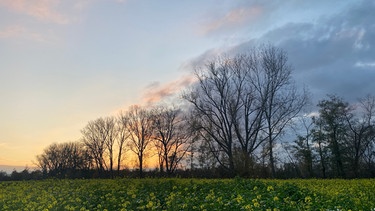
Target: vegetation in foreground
[{"x": 188, "y": 194}]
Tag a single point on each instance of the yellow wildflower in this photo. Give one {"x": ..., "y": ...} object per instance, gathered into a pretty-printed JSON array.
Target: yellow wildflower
[
  {"x": 269, "y": 188},
  {"x": 307, "y": 199},
  {"x": 149, "y": 205}
]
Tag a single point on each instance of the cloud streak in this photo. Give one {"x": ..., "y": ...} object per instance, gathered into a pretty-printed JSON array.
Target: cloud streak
[
  {"x": 233, "y": 18},
  {"x": 157, "y": 92},
  {"x": 50, "y": 11},
  {"x": 58, "y": 12},
  {"x": 44, "y": 10},
  {"x": 18, "y": 31},
  {"x": 12, "y": 31}
]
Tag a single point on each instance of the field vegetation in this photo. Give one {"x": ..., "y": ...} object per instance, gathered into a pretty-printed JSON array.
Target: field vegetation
[{"x": 188, "y": 194}]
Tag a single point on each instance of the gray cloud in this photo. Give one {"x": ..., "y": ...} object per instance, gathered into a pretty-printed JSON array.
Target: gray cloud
[
  {"x": 331, "y": 54},
  {"x": 325, "y": 54}
]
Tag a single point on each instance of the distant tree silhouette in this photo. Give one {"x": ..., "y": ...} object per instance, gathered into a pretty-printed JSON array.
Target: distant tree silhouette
[
  {"x": 63, "y": 159},
  {"x": 171, "y": 136},
  {"x": 140, "y": 128},
  {"x": 95, "y": 138},
  {"x": 122, "y": 138}
]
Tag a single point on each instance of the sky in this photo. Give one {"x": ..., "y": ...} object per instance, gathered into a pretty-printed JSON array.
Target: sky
[{"x": 64, "y": 63}]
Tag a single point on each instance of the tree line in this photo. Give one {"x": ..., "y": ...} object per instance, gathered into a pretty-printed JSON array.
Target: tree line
[
  {"x": 235, "y": 120},
  {"x": 337, "y": 142},
  {"x": 161, "y": 130}
]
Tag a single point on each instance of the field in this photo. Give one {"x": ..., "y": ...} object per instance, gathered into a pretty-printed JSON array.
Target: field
[{"x": 188, "y": 194}]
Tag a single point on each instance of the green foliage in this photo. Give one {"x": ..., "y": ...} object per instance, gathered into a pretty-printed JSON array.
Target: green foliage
[{"x": 188, "y": 194}]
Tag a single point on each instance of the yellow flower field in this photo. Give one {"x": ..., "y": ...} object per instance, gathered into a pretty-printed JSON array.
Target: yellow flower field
[{"x": 188, "y": 194}]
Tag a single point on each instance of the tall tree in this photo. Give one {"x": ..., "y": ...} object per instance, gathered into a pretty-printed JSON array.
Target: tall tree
[
  {"x": 361, "y": 133},
  {"x": 170, "y": 134},
  {"x": 368, "y": 105},
  {"x": 243, "y": 101},
  {"x": 122, "y": 137},
  {"x": 303, "y": 147},
  {"x": 229, "y": 112},
  {"x": 140, "y": 128},
  {"x": 333, "y": 117},
  {"x": 111, "y": 131},
  {"x": 320, "y": 140},
  {"x": 94, "y": 137},
  {"x": 280, "y": 99}
]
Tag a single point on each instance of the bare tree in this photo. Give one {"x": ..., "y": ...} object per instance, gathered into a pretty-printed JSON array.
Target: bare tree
[
  {"x": 49, "y": 160},
  {"x": 122, "y": 136},
  {"x": 302, "y": 148},
  {"x": 170, "y": 134},
  {"x": 280, "y": 98},
  {"x": 111, "y": 131},
  {"x": 63, "y": 159},
  {"x": 361, "y": 132},
  {"x": 94, "y": 137},
  {"x": 230, "y": 113},
  {"x": 243, "y": 101},
  {"x": 368, "y": 105},
  {"x": 140, "y": 129}
]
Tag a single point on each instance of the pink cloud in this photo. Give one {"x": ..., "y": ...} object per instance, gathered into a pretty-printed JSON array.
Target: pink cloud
[
  {"x": 49, "y": 10},
  {"x": 12, "y": 31},
  {"x": 234, "y": 17},
  {"x": 156, "y": 92},
  {"x": 18, "y": 31},
  {"x": 44, "y": 10}
]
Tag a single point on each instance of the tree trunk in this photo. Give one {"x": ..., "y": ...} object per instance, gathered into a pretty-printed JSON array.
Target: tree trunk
[
  {"x": 119, "y": 160},
  {"x": 272, "y": 161},
  {"x": 140, "y": 158},
  {"x": 322, "y": 161}
]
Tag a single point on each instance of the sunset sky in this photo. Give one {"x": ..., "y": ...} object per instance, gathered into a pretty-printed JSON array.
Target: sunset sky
[{"x": 66, "y": 62}]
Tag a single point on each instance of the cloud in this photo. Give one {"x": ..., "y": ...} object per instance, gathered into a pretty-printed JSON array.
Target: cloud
[
  {"x": 18, "y": 31},
  {"x": 44, "y": 10},
  {"x": 365, "y": 64},
  {"x": 233, "y": 18},
  {"x": 50, "y": 11},
  {"x": 335, "y": 55},
  {"x": 12, "y": 31},
  {"x": 59, "y": 12},
  {"x": 331, "y": 54},
  {"x": 156, "y": 92},
  {"x": 81, "y": 4}
]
